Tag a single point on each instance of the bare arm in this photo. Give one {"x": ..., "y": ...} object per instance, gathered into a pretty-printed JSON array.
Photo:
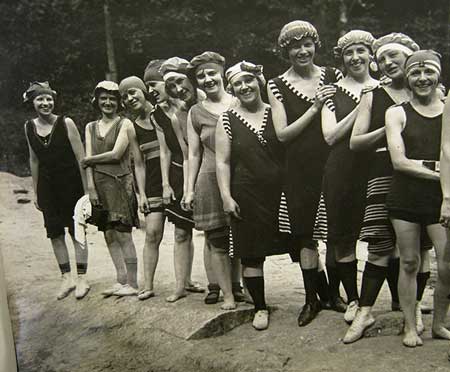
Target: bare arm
[
  {"x": 395, "y": 122},
  {"x": 334, "y": 131},
  {"x": 77, "y": 148},
  {"x": 445, "y": 164},
  {"x": 184, "y": 150},
  {"x": 165, "y": 160},
  {"x": 34, "y": 168},
  {"x": 285, "y": 132},
  {"x": 93, "y": 196},
  {"x": 361, "y": 139},
  {"x": 223, "y": 154},
  {"x": 139, "y": 165},
  {"x": 195, "y": 159},
  {"x": 112, "y": 156}
]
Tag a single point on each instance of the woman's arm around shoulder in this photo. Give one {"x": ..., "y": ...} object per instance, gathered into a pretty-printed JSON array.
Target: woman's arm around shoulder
[
  {"x": 395, "y": 124},
  {"x": 361, "y": 139},
  {"x": 77, "y": 147}
]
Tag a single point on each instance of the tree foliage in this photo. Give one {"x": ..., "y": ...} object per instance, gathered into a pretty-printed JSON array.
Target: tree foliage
[{"x": 63, "y": 41}]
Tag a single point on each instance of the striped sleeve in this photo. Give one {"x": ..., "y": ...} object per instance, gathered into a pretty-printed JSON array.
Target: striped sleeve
[
  {"x": 275, "y": 91},
  {"x": 330, "y": 104},
  {"x": 338, "y": 74},
  {"x": 227, "y": 125}
]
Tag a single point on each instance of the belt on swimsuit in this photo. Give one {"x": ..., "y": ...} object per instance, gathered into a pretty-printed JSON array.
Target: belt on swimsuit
[
  {"x": 381, "y": 149},
  {"x": 433, "y": 165}
]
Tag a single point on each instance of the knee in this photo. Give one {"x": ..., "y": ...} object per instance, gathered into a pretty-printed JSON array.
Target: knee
[
  {"x": 181, "y": 236},
  {"x": 109, "y": 237},
  {"x": 221, "y": 251},
  {"x": 410, "y": 264},
  {"x": 153, "y": 236}
]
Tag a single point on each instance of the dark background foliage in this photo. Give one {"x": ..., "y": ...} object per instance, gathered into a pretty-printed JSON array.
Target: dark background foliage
[{"x": 63, "y": 41}]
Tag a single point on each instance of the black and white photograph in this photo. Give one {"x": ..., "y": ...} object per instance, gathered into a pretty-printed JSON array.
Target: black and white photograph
[{"x": 225, "y": 186}]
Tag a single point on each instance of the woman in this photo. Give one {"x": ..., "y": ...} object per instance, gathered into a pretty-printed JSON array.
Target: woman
[
  {"x": 173, "y": 158},
  {"x": 249, "y": 176},
  {"x": 111, "y": 185},
  {"x": 296, "y": 98},
  {"x": 58, "y": 181},
  {"x": 203, "y": 194},
  {"x": 413, "y": 131},
  {"x": 344, "y": 178},
  {"x": 179, "y": 86},
  {"x": 445, "y": 174},
  {"x": 369, "y": 134}
]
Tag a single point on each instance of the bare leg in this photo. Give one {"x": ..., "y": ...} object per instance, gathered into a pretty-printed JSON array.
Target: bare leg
[
  {"x": 210, "y": 274},
  {"x": 115, "y": 251},
  {"x": 191, "y": 260},
  {"x": 61, "y": 253},
  {"x": 182, "y": 262},
  {"x": 129, "y": 254},
  {"x": 81, "y": 256},
  {"x": 222, "y": 269},
  {"x": 62, "y": 256},
  {"x": 439, "y": 237},
  {"x": 154, "y": 228},
  {"x": 408, "y": 238}
]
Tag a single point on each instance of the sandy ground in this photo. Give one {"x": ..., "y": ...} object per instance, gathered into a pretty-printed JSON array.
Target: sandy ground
[{"x": 97, "y": 334}]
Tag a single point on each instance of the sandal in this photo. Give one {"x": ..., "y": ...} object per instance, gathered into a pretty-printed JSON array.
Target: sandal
[
  {"x": 145, "y": 294},
  {"x": 194, "y": 287},
  {"x": 213, "y": 294}
]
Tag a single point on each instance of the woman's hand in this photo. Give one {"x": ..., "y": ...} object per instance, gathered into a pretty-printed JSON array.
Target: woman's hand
[
  {"x": 93, "y": 197},
  {"x": 445, "y": 214},
  {"x": 322, "y": 94},
  {"x": 86, "y": 162},
  {"x": 143, "y": 203},
  {"x": 168, "y": 195},
  {"x": 187, "y": 203},
  {"x": 231, "y": 208}
]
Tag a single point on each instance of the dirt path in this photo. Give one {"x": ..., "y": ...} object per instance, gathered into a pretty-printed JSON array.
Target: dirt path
[{"x": 98, "y": 334}]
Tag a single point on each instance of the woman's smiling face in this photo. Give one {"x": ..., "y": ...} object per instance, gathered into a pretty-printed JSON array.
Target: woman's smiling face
[
  {"x": 356, "y": 59},
  {"x": 209, "y": 80},
  {"x": 134, "y": 99},
  {"x": 108, "y": 103},
  {"x": 301, "y": 52},
  {"x": 44, "y": 104},
  {"x": 246, "y": 88},
  {"x": 423, "y": 80},
  {"x": 391, "y": 63}
]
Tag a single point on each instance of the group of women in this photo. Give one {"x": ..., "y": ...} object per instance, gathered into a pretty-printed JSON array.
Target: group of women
[{"x": 331, "y": 156}]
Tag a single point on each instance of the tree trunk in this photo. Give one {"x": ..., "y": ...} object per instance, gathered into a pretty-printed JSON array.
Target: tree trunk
[
  {"x": 111, "y": 74},
  {"x": 343, "y": 19}
]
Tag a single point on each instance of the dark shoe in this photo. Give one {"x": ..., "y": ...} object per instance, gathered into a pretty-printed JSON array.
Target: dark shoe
[
  {"x": 213, "y": 294},
  {"x": 338, "y": 304},
  {"x": 308, "y": 313},
  {"x": 238, "y": 294},
  {"x": 325, "y": 305}
]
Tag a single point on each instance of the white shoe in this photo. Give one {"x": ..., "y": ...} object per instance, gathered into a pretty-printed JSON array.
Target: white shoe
[
  {"x": 110, "y": 291},
  {"x": 82, "y": 288},
  {"x": 350, "y": 313},
  {"x": 67, "y": 286},
  {"x": 126, "y": 290},
  {"x": 420, "y": 327},
  {"x": 359, "y": 325},
  {"x": 261, "y": 320}
]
